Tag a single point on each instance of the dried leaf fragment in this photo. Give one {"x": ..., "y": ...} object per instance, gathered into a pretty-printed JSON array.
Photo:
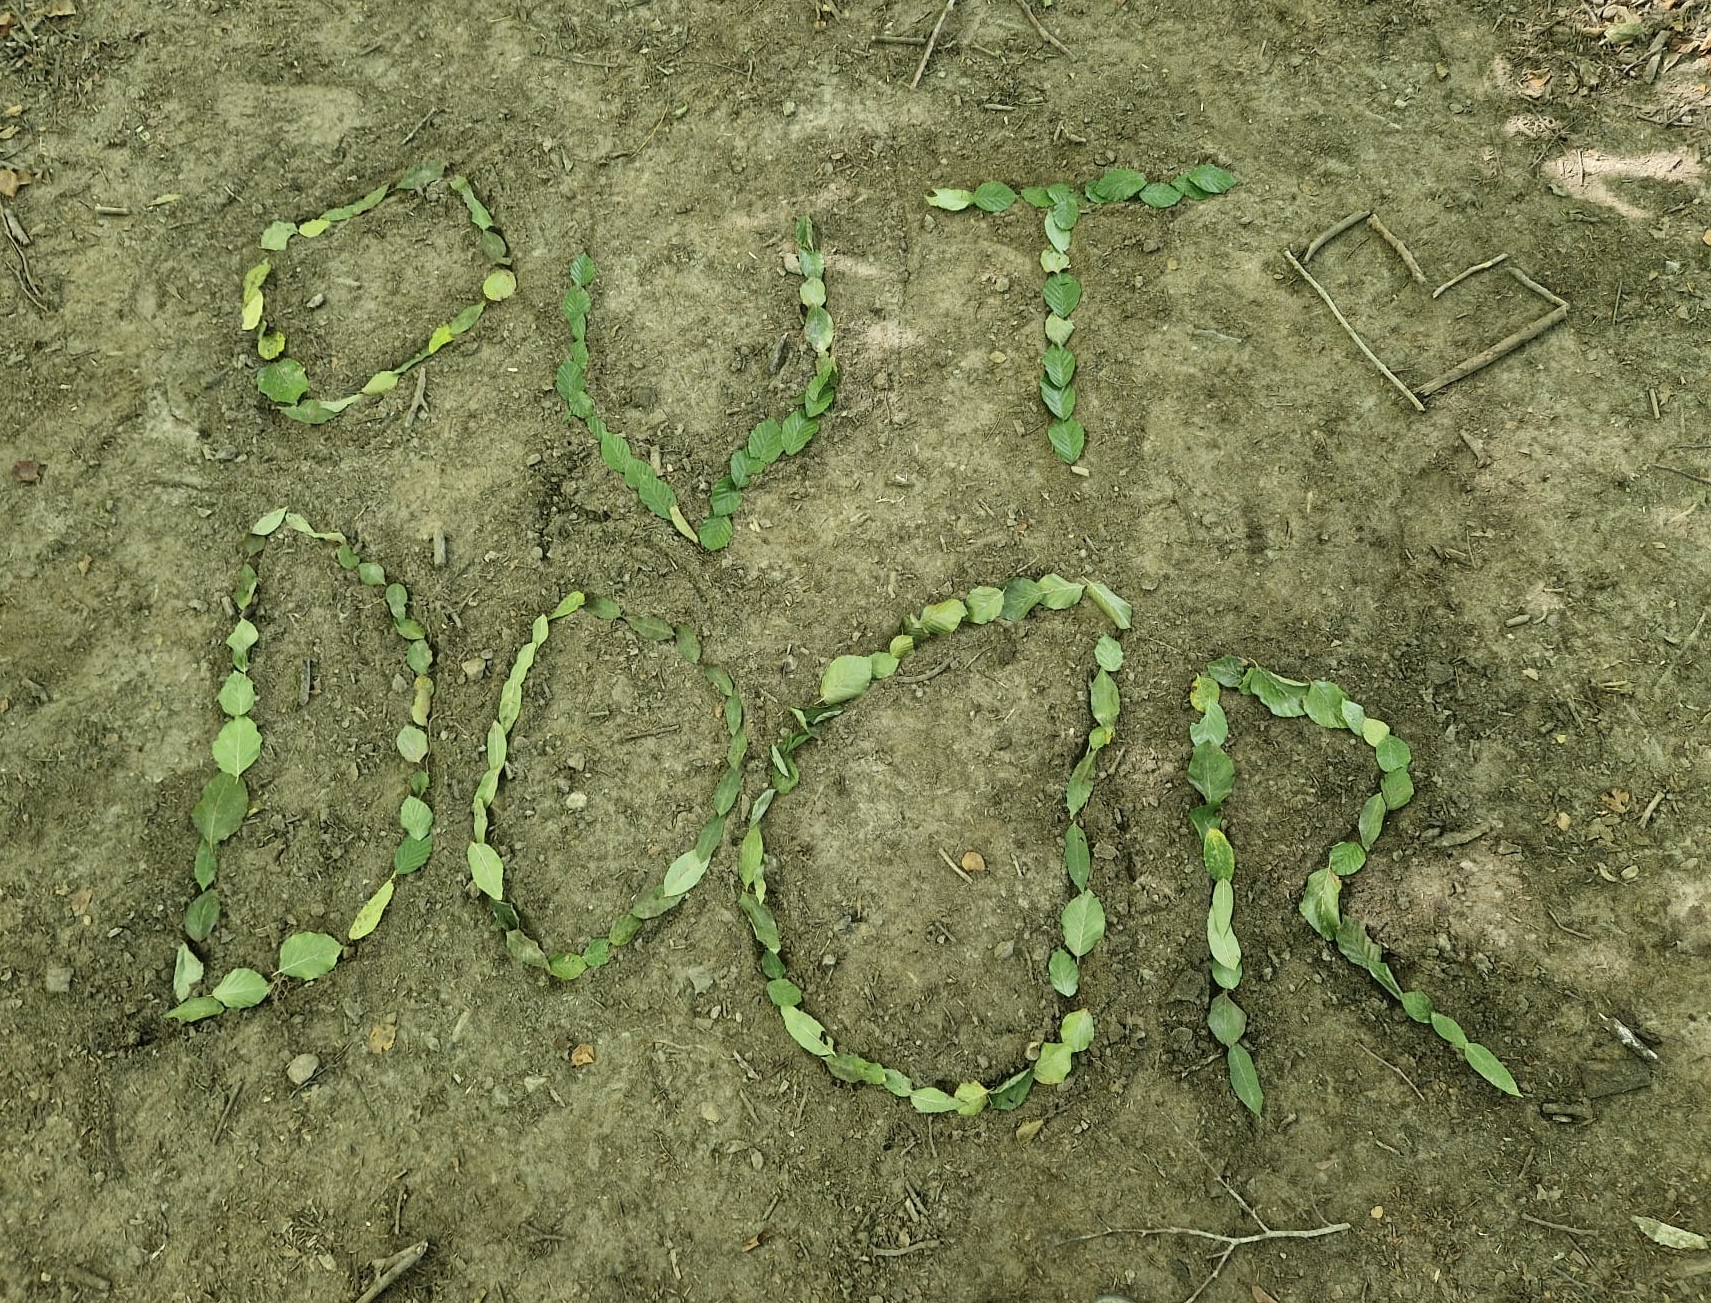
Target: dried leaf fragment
[
  {"x": 973, "y": 862},
  {"x": 1671, "y": 1237},
  {"x": 382, "y": 1037},
  {"x": 12, "y": 180},
  {"x": 1029, "y": 1129},
  {"x": 582, "y": 1055},
  {"x": 27, "y": 472}
]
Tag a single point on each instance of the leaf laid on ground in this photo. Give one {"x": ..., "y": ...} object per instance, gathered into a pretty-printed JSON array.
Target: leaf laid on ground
[
  {"x": 1076, "y": 860},
  {"x": 1671, "y": 1237},
  {"x": 1062, "y": 293},
  {"x": 186, "y": 972},
  {"x": 1083, "y": 922},
  {"x": 416, "y": 817},
  {"x": 952, "y": 201},
  {"x": 412, "y": 854},
  {"x": 1244, "y": 1079},
  {"x": 685, "y": 871},
  {"x": 237, "y": 745},
  {"x": 1211, "y": 178},
  {"x": 368, "y": 917},
  {"x": 242, "y": 988},
  {"x": 486, "y": 870},
  {"x": 1371, "y": 820},
  {"x": 1054, "y": 1063},
  {"x": 1319, "y": 902},
  {"x": 1065, "y": 973},
  {"x": 1489, "y": 1066},
  {"x": 283, "y": 381},
  {"x": 203, "y": 1006},
  {"x": 1212, "y": 773},
  {"x": 845, "y": 679},
  {"x": 806, "y": 1031},
  {"x": 1218, "y": 856},
  {"x": 993, "y": 197},
  {"x": 1116, "y": 610},
  {"x": 1226, "y": 1020},
  {"x": 220, "y": 811},
  {"x": 1160, "y": 195},
  {"x": 308, "y": 955}
]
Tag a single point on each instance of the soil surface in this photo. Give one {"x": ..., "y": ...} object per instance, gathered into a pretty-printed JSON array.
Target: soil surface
[{"x": 1516, "y": 579}]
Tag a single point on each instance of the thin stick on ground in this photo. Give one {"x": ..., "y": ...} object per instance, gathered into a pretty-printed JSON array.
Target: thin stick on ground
[
  {"x": 1230, "y": 1242},
  {"x": 391, "y": 1269},
  {"x": 1384, "y": 233},
  {"x": 932, "y": 40},
  {"x": 1332, "y": 232},
  {"x": 1398, "y": 1071},
  {"x": 1372, "y": 357},
  {"x": 1477, "y": 267},
  {"x": 1039, "y": 27},
  {"x": 1502, "y": 348}
]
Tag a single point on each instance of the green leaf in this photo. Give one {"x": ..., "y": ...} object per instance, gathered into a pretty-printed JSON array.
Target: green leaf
[
  {"x": 583, "y": 270},
  {"x": 1212, "y": 773},
  {"x": 1077, "y": 1030},
  {"x": 1417, "y": 1005},
  {"x": 1397, "y": 788},
  {"x": 242, "y": 988},
  {"x": 412, "y": 854},
  {"x": 761, "y": 921},
  {"x": 1347, "y": 858},
  {"x": 1108, "y": 652},
  {"x": 1244, "y": 1079},
  {"x": 930, "y": 1099},
  {"x": 1115, "y": 609},
  {"x": 1282, "y": 697},
  {"x": 567, "y": 967},
  {"x": 207, "y": 864},
  {"x": 654, "y": 902},
  {"x": 1068, "y": 439},
  {"x": 1220, "y": 940},
  {"x": 415, "y": 817},
  {"x": 308, "y": 955},
  {"x": 1075, "y": 857},
  {"x": 1059, "y": 329},
  {"x": 817, "y": 329},
  {"x": 1393, "y": 754},
  {"x": 1324, "y": 704},
  {"x": 1059, "y": 402},
  {"x": 487, "y": 870},
  {"x": 624, "y": 931},
  {"x": 525, "y": 949},
  {"x": 186, "y": 972},
  {"x": 1161, "y": 195},
  {"x": 1055, "y": 1061},
  {"x": 766, "y": 443},
  {"x": 1319, "y": 902},
  {"x": 1212, "y": 727},
  {"x": 1065, "y": 973},
  {"x": 993, "y": 197},
  {"x": 493, "y": 247},
  {"x": 1083, "y": 922},
  {"x": 317, "y": 411},
  {"x": 277, "y": 236},
  {"x": 1057, "y": 234},
  {"x": 240, "y": 640},
  {"x": 1059, "y": 365},
  {"x": 1489, "y": 1066},
  {"x": 1371, "y": 820},
  {"x": 952, "y": 201},
  {"x": 943, "y": 617},
  {"x": 1226, "y": 1020},
  {"x": 203, "y": 1006},
  {"x": 1354, "y": 718},
  {"x": 685, "y": 871},
  {"x": 268, "y": 523},
  {"x": 1021, "y": 595},
  {"x": 1011, "y": 1094},
  {"x": 1211, "y": 178},
  {"x": 1450, "y": 1030},
  {"x": 806, "y": 1031},
  {"x": 855, "y": 1069},
  {"x": 220, "y": 811},
  {"x": 1227, "y": 978},
  {"x": 984, "y": 604},
  {"x": 715, "y": 533},
  {"x": 254, "y": 304},
  {"x": 1037, "y": 197},
  {"x": 1374, "y": 731},
  {"x": 368, "y": 917},
  {"x": 726, "y": 497},
  {"x": 237, "y": 745},
  {"x": 845, "y": 679},
  {"x": 1117, "y": 185},
  {"x": 1104, "y": 699},
  {"x": 412, "y": 744},
  {"x": 1062, "y": 293},
  {"x": 597, "y": 952},
  {"x": 1218, "y": 856},
  {"x": 784, "y": 993}
]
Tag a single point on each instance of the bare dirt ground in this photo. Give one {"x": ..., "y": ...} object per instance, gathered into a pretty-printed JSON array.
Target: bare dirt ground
[{"x": 1516, "y": 579}]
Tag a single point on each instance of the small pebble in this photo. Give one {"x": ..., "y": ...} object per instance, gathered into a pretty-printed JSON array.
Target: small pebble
[
  {"x": 58, "y": 981},
  {"x": 473, "y": 669},
  {"x": 303, "y": 1067}
]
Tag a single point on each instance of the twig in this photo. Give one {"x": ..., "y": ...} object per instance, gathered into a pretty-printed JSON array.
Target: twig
[
  {"x": 932, "y": 41},
  {"x": 1478, "y": 452},
  {"x": 1044, "y": 34},
  {"x": 426, "y": 119},
  {"x": 1502, "y": 348},
  {"x": 1686, "y": 475},
  {"x": 1564, "y": 926},
  {"x": 1556, "y": 1226},
  {"x": 1332, "y": 232},
  {"x": 391, "y": 1269},
  {"x": 418, "y": 404},
  {"x": 898, "y": 1253},
  {"x": 1477, "y": 267},
  {"x": 652, "y": 732},
  {"x": 1618, "y": 305},
  {"x": 1384, "y": 233},
  {"x": 955, "y": 868},
  {"x": 1630, "y": 1042},
  {"x": 1686, "y": 643},
  {"x": 1398, "y": 1071},
  {"x": 226, "y": 1113},
  {"x": 1652, "y": 808},
  {"x": 1360, "y": 343},
  {"x": 631, "y": 153},
  {"x": 1230, "y": 1242},
  {"x": 933, "y": 673},
  {"x": 1554, "y": 300}
]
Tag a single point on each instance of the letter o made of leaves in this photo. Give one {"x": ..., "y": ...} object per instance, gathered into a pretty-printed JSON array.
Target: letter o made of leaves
[{"x": 283, "y": 379}]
